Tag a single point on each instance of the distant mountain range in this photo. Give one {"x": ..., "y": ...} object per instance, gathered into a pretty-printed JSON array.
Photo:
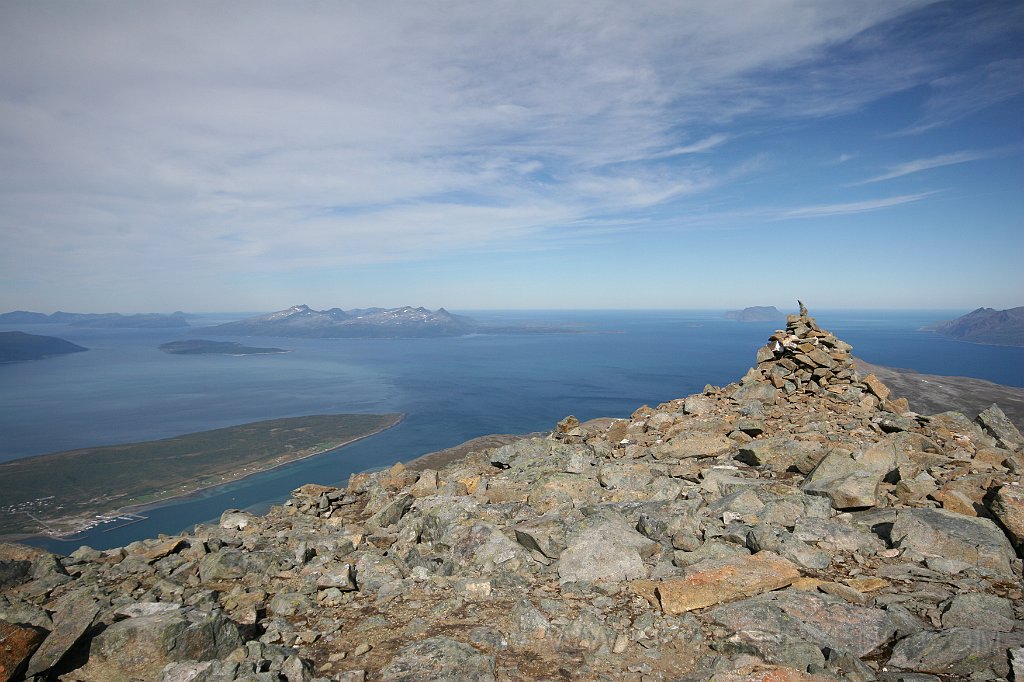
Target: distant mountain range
[
  {"x": 98, "y": 320},
  {"x": 986, "y": 325},
  {"x": 18, "y": 346},
  {"x": 757, "y": 313},
  {"x": 404, "y": 322}
]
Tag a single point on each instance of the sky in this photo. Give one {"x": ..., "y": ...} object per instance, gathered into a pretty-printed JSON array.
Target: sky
[{"x": 249, "y": 156}]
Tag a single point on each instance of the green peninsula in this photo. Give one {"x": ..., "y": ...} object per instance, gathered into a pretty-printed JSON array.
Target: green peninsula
[{"x": 64, "y": 492}]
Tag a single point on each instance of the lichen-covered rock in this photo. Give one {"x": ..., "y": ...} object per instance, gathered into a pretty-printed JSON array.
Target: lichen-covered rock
[
  {"x": 139, "y": 648},
  {"x": 439, "y": 659}
]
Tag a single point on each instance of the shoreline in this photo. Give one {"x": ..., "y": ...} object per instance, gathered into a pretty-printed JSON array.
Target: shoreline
[{"x": 139, "y": 509}]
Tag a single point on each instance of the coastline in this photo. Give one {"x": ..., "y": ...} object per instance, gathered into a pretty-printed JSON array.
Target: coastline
[{"x": 139, "y": 509}]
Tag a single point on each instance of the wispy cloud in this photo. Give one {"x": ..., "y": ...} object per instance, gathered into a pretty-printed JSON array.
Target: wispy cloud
[
  {"x": 918, "y": 165},
  {"x": 825, "y": 210},
  {"x": 139, "y": 136}
]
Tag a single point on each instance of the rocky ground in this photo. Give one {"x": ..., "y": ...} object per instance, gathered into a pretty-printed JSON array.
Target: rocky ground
[{"x": 799, "y": 525}]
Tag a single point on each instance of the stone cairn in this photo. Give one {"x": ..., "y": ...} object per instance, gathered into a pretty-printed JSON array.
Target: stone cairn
[{"x": 804, "y": 358}]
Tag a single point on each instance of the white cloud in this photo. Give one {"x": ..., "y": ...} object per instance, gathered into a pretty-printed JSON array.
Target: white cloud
[{"x": 918, "y": 165}]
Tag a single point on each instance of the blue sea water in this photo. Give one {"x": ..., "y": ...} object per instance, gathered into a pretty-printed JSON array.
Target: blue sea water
[{"x": 125, "y": 390}]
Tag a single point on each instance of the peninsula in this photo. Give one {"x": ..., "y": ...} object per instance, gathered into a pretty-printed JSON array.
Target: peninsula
[
  {"x": 97, "y": 320},
  {"x": 63, "y": 492},
  {"x": 986, "y": 325},
  {"x": 204, "y": 347}
]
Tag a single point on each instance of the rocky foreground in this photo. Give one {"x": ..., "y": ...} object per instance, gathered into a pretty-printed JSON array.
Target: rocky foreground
[{"x": 801, "y": 524}]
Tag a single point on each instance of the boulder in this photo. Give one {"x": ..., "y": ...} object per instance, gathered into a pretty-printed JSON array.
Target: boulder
[
  {"x": 439, "y": 659},
  {"x": 604, "y": 550},
  {"x": 822, "y": 620},
  {"x": 941, "y": 533},
  {"x": 999, "y": 426},
  {"x": 139, "y": 648},
  {"x": 1008, "y": 506}
]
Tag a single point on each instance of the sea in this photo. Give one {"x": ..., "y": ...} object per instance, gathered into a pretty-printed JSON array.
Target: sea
[{"x": 608, "y": 363}]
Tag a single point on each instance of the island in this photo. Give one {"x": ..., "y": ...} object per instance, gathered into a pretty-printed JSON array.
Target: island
[
  {"x": 382, "y": 323},
  {"x": 205, "y": 347},
  {"x": 64, "y": 492},
  {"x": 19, "y": 346},
  {"x": 986, "y": 325},
  {"x": 757, "y": 313}
]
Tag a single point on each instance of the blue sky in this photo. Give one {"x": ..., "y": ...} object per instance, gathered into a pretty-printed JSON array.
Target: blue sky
[{"x": 215, "y": 156}]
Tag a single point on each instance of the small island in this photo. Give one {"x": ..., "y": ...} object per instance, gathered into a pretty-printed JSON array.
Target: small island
[
  {"x": 757, "y": 313},
  {"x": 68, "y": 492},
  {"x": 204, "y": 347},
  {"x": 19, "y": 346}
]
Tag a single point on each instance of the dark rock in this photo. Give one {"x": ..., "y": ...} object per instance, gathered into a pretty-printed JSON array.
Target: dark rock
[
  {"x": 70, "y": 622},
  {"x": 17, "y": 644},
  {"x": 439, "y": 659},
  {"x": 139, "y": 648},
  {"x": 957, "y": 651}
]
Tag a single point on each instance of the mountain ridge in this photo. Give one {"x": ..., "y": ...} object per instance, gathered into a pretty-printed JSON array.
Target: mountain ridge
[
  {"x": 987, "y": 325},
  {"x": 401, "y": 322}
]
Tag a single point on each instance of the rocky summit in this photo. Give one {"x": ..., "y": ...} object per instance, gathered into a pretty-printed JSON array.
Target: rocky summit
[{"x": 802, "y": 524}]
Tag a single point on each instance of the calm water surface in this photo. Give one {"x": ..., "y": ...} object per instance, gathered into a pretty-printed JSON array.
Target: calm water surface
[{"x": 125, "y": 390}]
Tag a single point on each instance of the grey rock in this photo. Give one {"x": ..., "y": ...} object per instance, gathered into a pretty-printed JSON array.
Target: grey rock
[
  {"x": 69, "y": 624},
  {"x": 625, "y": 476},
  {"x": 140, "y": 648},
  {"x": 290, "y": 604},
  {"x": 231, "y": 564},
  {"x": 778, "y": 540},
  {"x": 545, "y": 534},
  {"x": 605, "y": 548},
  {"x": 338, "y": 576},
  {"x": 779, "y": 453},
  {"x": 938, "y": 532},
  {"x": 755, "y": 390},
  {"x": 484, "y": 545},
  {"x": 528, "y": 624},
  {"x": 957, "y": 651},
  {"x": 996, "y": 424},
  {"x": 845, "y": 481},
  {"x": 975, "y": 610},
  {"x": 391, "y": 513},
  {"x": 235, "y": 519},
  {"x": 439, "y": 659},
  {"x": 822, "y": 620}
]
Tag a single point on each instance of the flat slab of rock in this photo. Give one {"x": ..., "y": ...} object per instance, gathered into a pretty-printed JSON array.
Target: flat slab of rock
[
  {"x": 715, "y": 582},
  {"x": 685, "y": 446},
  {"x": 439, "y": 659},
  {"x": 938, "y": 532},
  {"x": 605, "y": 550},
  {"x": 957, "y": 651}
]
